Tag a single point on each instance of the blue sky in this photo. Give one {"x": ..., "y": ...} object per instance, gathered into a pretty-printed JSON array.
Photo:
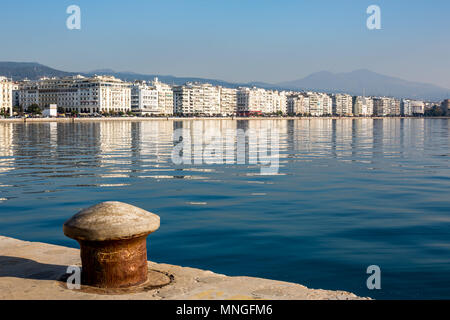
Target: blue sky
[{"x": 234, "y": 40}]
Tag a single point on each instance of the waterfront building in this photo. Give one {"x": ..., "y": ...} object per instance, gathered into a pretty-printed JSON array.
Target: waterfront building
[
  {"x": 254, "y": 101},
  {"x": 144, "y": 99},
  {"x": 395, "y": 107},
  {"x": 28, "y": 94},
  {"x": 77, "y": 93},
  {"x": 251, "y": 101},
  {"x": 315, "y": 107},
  {"x": 165, "y": 96},
  {"x": 384, "y": 106},
  {"x": 297, "y": 104},
  {"x": 279, "y": 102},
  {"x": 431, "y": 105},
  {"x": 318, "y": 104},
  {"x": 228, "y": 101},
  {"x": 412, "y": 107},
  {"x": 197, "y": 99},
  {"x": 50, "y": 111},
  {"x": 342, "y": 105},
  {"x": 327, "y": 103},
  {"x": 6, "y": 96},
  {"x": 445, "y": 106},
  {"x": 15, "y": 95},
  {"x": 362, "y": 106},
  {"x": 381, "y": 106}
]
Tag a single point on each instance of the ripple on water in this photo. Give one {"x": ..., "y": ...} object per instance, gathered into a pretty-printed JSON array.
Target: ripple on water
[{"x": 348, "y": 194}]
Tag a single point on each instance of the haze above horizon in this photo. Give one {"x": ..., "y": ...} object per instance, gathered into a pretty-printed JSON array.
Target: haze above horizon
[{"x": 236, "y": 41}]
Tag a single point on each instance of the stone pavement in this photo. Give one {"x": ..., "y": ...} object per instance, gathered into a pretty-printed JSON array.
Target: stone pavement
[{"x": 33, "y": 271}]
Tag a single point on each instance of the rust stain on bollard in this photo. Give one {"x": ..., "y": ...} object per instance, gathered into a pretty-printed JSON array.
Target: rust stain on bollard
[
  {"x": 112, "y": 238},
  {"x": 114, "y": 264}
]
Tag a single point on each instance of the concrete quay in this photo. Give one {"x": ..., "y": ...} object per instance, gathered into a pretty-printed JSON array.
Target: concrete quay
[
  {"x": 35, "y": 271},
  {"x": 136, "y": 119}
]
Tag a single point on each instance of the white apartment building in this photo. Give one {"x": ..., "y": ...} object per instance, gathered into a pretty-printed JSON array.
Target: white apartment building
[
  {"x": 86, "y": 95},
  {"x": 327, "y": 103},
  {"x": 144, "y": 99},
  {"x": 363, "y": 106},
  {"x": 342, "y": 105},
  {"x": 395, "y": 107},
  {"x": 260, "y": 101},
  {"x": 28, "y": 94},
  {"x": 6, "y": 96},
  {"x": 165, "y": 96},
  {"x": 228, "y": 101},
  {"x": 197, "y": 99},
  {"x": 251, "y": 101},
  {"x": 386, "y": 107},
  {"x": 320, "y": 104},
  {"x": 381, "y": 106},
  {"x": 279, "y": 102},
  {"x": 297, "y": 104},
  {"x": 412, "y": 107},
  {"x": 151, "y": 98},
  {"x": 315, "y": 104}
]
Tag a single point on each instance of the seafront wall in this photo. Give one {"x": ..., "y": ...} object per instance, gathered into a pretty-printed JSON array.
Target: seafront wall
[
  {"x": 69, "y": 120},
  {"x": 36, "y": 271}
]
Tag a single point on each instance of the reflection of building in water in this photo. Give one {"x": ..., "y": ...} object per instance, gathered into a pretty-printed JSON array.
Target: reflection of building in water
[
  {"x": 115, "y": 145},
  {"x": 6, "y": 147},
  {"x": 387, "y": 135},
  {"x": 415, "y": 133},
  {"x": 155, "y": 141},
  {"x": 204, "y": 131},
  {"x": 312, "y": 136},
  {"x": 224, "y": 136},
  {"x": 362, "y": 138},
  {"x": 53, "y": 134},
  {"x": 265, "y": 128},
  {"x": 342, "y": 136}
]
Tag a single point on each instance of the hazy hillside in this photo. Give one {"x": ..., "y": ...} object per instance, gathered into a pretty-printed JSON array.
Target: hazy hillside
[
  {"x": 371, "y": 83},
  {"x": 354, "y": 83},
  {"x": 30, "y": 70}
]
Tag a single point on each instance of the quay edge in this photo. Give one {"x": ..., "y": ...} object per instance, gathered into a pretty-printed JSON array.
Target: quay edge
[{"x": 32, "y": 271}]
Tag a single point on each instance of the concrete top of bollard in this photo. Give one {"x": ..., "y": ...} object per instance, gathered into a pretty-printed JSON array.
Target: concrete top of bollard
[{"x": 111, "y": 221}]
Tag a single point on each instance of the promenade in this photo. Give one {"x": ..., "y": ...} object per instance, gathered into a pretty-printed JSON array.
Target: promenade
[
  {"x": 89, "y": 119},
  {"x": 34, "y": 271}
]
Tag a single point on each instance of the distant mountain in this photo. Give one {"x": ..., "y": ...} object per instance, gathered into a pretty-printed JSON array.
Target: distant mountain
[
  {"x": 132, "y": 76},
  {"x": 354, "y": 83},
  {"x": 371, "y": 83},
  {"x": 30, "y": 70},
  {"x": 101, "y": 71},
  {"x": 34, "y": 71}
]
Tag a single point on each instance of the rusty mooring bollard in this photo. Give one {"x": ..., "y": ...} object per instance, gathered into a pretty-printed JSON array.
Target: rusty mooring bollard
[{"x": 112, "y": 238}]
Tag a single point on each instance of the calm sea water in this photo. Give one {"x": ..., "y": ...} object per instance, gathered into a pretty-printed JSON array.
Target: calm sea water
[{"x": 350, "y": 194}]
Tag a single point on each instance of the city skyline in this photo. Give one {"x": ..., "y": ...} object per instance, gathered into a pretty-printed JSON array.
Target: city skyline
[
  {"x": 233, "y": 41},
  {"x": 105, "y": 95}
]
